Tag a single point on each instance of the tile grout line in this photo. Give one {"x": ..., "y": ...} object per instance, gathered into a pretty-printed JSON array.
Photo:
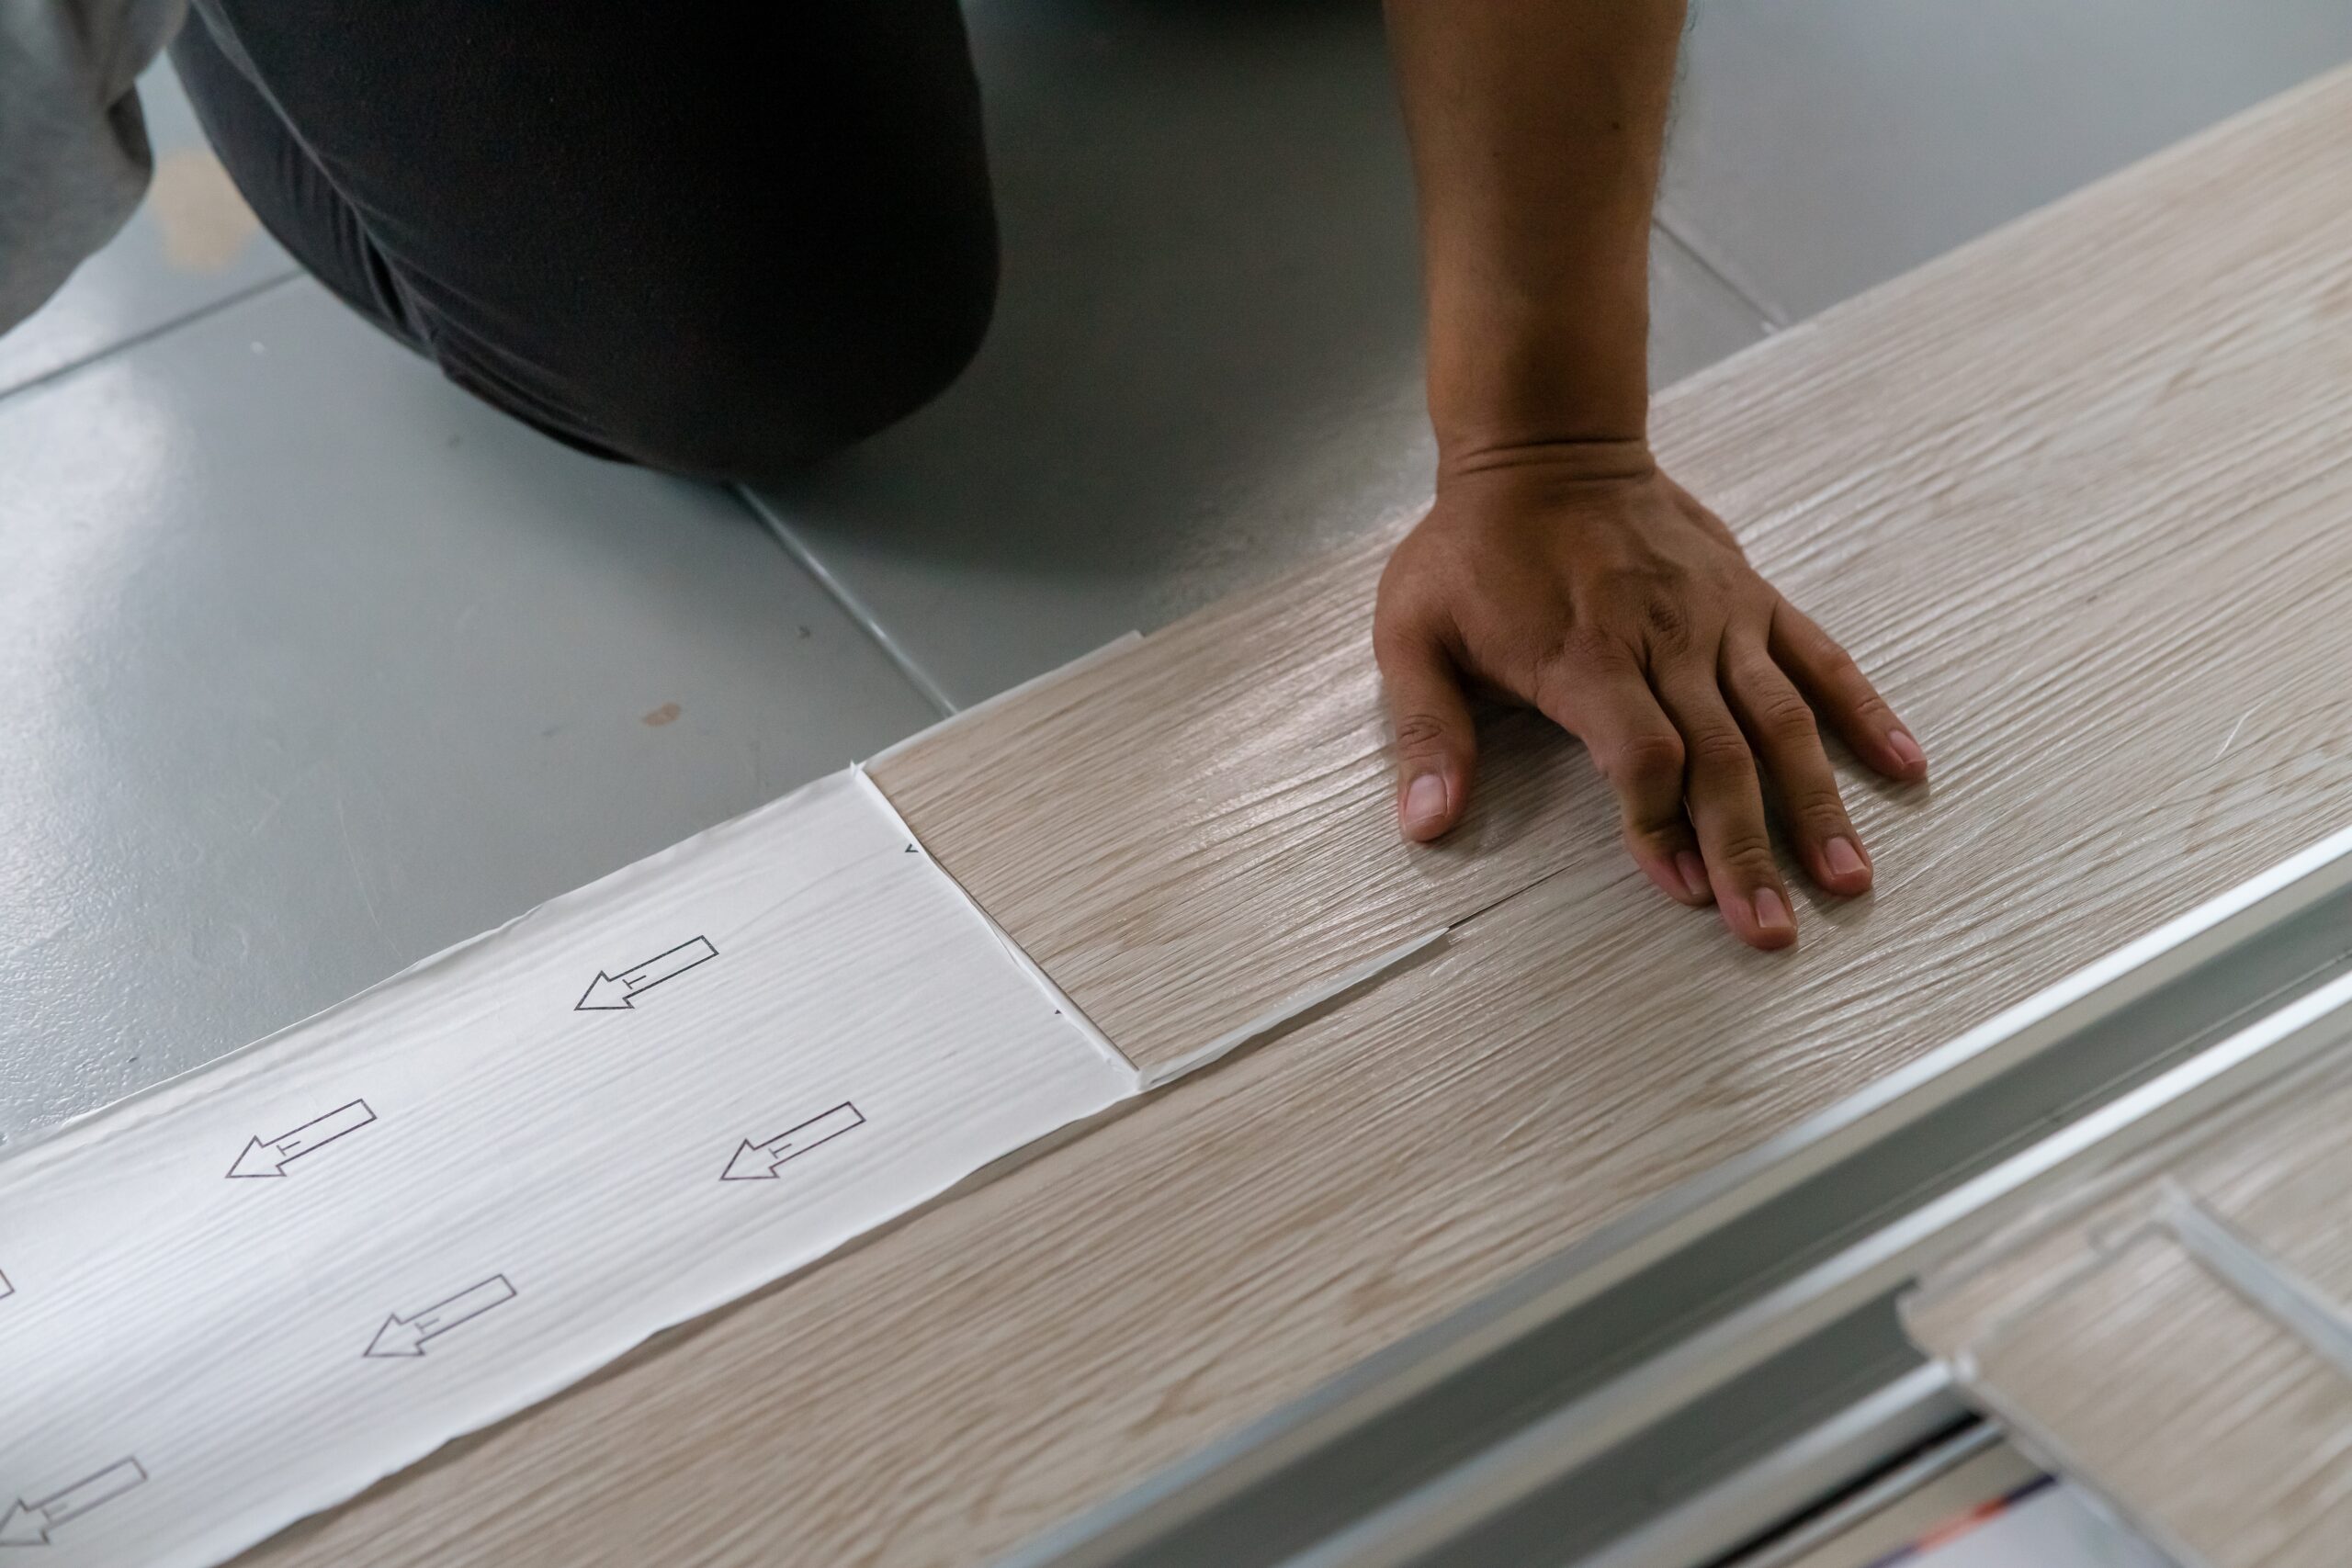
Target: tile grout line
[
  {"x": 1060, "y": 672},
  {"x": 1774, "y": 320},
  {"x": 851, "y": 605},
  {"x": 148, "y": 334}
]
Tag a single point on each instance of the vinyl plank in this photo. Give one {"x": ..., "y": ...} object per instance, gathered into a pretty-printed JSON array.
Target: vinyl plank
[
  {"x": 1005, "y": 1359},
  {"x": 1204, "y": 807},
  {"x": 1195, "y": 828},
  {"x": 2077, "y": 494},
  {"x": 2102, "y": 1337}
]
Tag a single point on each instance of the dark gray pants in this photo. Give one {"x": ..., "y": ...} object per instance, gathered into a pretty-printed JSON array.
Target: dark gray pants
[{"x": 718, "y": 240}]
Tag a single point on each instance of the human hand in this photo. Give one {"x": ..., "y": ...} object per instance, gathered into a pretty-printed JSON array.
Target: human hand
[{"x": 1578, "y": 579}]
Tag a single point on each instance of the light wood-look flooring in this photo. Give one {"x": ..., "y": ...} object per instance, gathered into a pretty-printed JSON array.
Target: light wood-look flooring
[
  {"x": 2100, "y": 1334},
  {"x": 2080, "y": 495}
]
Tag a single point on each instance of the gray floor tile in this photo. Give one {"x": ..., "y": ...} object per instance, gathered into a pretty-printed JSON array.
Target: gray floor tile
[
  {"x": 191, "y": 245},
  {"x": 1206, "y": 357},
  {"x": 1822, "y": 146},
  {"x": 314, "y": 666},
  {"x": 1696, "y": 317}
]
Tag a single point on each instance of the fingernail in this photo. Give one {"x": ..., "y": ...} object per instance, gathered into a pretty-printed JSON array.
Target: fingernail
[
  {"x": 1694, "y": 872},
  {"x": 1844, "y": 859},
  {"x": 1905, "y": 749},
  {"x": 1424, "y": 802},
  {"x": 1772, "y": 910}
]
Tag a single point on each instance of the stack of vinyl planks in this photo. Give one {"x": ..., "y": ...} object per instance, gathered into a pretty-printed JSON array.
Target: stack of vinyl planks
[
  {"x": 2080, "y": 497},
  {"x": 2108, "y": 1335}
]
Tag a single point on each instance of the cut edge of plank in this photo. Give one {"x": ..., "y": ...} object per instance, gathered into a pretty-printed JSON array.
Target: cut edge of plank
[
  {"x": 1020, "y": 957},
  {"x": 1290, "y": 1007}
]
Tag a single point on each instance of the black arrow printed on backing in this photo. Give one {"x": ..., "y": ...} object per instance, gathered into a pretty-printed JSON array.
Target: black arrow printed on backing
[
  {"x": 28, "y": 1524},
  {"x": 406, "y": 1335},
  {"x": 758, "y": 1162},
  {"x": 608, "y": 993},
  {"x": 6, "y": 1290},
  {"x": 271, "y": 1158}
]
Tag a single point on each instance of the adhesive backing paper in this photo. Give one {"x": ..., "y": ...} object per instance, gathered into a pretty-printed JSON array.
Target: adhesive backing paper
[{"x": 245, "y": 1296}]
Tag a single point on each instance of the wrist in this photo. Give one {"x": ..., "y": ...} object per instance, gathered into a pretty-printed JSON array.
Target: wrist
[
  {"x": 1507, "y": 369},
  {"x": 1594, "y": 460}
]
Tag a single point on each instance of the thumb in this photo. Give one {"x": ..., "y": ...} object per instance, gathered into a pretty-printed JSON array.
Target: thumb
[{"x": 1437, "y": 744}]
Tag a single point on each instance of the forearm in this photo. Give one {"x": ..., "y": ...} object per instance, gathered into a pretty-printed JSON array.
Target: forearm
[{"x": 1536, "y": 127}]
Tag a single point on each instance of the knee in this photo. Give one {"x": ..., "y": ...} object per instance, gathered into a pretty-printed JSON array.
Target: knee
[{"x": 744, "y": 401}]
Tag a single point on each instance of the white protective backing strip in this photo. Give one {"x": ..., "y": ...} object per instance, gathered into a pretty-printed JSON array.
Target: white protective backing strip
[{"x": 247, "y": 1295}]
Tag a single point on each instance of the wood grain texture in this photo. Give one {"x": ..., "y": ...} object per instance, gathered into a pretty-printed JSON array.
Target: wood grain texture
[
  {"x": 1190, "y": 831},
  {"x": 2078, "y": 495},
  {"x": 2206, "y": 1422},
  {"x": 2114, "y": 1348},
  {"x": 1972, "y": 477}
]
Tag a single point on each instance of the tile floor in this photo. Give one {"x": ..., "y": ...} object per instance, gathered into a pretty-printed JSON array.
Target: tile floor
[{"x": 317, "y": 667}]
